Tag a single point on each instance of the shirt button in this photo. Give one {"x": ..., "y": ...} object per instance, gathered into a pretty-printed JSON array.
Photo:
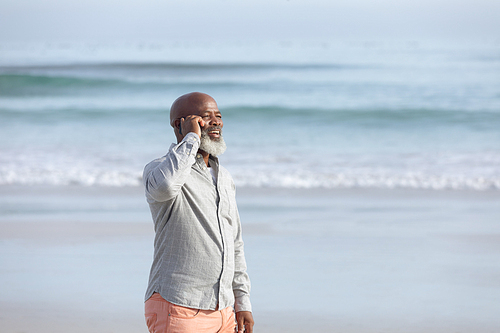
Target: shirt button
[{"x": 198, "y": 156}]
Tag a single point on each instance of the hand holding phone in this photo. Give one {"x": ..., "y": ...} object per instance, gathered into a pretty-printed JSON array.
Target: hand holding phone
[{"x": 191, "y": 123}]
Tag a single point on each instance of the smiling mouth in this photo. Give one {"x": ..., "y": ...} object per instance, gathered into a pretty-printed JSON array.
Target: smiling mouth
[{"x": 215, "y": 133}]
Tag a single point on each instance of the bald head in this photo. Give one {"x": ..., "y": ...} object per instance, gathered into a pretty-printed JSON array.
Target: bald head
[
  {"x": 190, "y": 104},
  {"x": 195, "y": 112}
]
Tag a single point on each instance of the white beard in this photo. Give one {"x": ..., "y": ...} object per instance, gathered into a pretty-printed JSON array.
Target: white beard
[{"x": 214, "y": 147}]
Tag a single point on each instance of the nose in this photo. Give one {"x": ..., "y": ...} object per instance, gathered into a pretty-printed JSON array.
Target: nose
[{"x": 215, "y": 121}]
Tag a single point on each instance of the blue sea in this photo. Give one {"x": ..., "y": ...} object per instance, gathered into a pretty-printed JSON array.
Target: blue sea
[{"x": 296, "y": 115}]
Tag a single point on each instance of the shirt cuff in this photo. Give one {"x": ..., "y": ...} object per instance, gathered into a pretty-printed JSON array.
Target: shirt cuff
[
  {"x": 193, "y": 142},
  {"x": 191, "y": 137},
  {"x": 242, "y": 303}
]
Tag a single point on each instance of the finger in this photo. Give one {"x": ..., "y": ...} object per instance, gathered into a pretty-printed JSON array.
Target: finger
[
  {"x": 197, "y": 119},
  {"x": 249, "y": 328},
  {"x": 192, "y": 116},
  {"x": 241, "y": 324}
]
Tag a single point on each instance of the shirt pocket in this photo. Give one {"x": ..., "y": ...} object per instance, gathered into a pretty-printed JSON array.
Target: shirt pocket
[{"x": 229, "y": 206}]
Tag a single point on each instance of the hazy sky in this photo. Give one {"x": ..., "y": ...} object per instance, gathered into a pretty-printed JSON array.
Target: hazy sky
[{"x": 84, "y": 20}]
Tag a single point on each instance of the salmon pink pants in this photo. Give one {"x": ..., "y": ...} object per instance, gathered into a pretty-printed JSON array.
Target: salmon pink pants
[{"x": 165, "y": 317}]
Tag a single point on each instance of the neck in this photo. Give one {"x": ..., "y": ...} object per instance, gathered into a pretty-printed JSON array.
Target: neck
[{"x": 205, "y": 156}]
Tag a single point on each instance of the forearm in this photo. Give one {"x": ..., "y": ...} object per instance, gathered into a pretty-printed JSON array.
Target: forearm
[{"x": 164, "y": 177}]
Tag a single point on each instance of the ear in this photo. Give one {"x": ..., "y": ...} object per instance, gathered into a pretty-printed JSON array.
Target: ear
[{"x": 176, "y": 124}]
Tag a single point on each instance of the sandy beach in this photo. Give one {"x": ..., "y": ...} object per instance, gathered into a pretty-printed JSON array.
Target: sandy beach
[{"x": 76, "y": 259}]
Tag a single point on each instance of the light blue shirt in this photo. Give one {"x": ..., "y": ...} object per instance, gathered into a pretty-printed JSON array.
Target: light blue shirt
[{"x": 199, "y": 260}]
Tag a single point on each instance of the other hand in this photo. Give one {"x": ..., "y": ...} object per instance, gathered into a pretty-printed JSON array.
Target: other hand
[{"x": 245, "y": 322}]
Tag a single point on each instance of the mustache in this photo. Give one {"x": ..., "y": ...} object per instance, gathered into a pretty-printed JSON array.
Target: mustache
[{"x": 208, "y": 129}]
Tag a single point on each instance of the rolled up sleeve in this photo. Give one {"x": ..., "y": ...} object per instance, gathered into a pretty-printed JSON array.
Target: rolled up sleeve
[{"x": 164, "y": 177}]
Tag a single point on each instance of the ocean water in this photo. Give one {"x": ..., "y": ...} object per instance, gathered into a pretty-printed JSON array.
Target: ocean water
[{"x": 296, "y": 115}]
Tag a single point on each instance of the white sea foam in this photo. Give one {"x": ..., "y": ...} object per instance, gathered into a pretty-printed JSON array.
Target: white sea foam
[
  {"x": 33, "y": 176},
  {"x": 433, "y": 182},
  {"x": 248, "y": 178}
]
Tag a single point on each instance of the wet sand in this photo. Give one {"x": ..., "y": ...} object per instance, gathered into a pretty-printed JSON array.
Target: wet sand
[{"x": 77, "y": 259}]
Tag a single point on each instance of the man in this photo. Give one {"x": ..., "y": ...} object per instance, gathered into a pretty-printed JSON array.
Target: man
[{"x": 199, "y": 272}]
